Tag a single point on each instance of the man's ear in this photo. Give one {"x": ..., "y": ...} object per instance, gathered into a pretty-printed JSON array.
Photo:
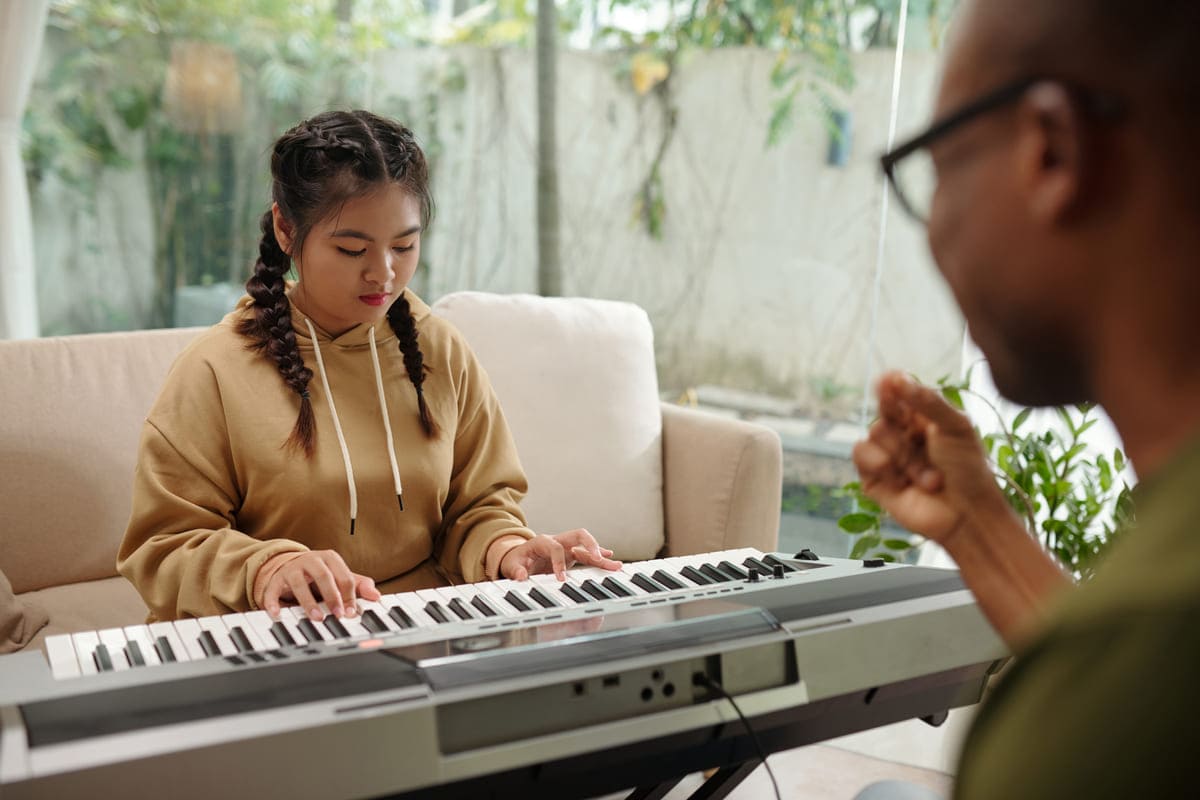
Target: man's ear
[
  {"x": 1050, "y": 152},
  {"x": 284, "y": 229}
]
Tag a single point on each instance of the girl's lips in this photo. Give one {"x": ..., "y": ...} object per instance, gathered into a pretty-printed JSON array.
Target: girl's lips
[{"x": 373, "y": 299}]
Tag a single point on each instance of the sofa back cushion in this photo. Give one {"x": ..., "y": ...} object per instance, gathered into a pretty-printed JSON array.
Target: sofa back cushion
[
  {"x": 577, "y": 382},
  {"x": 71, "y": 413}
]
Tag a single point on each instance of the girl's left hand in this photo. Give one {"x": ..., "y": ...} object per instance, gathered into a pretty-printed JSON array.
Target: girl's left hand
[{"x": 555, "y": 554}]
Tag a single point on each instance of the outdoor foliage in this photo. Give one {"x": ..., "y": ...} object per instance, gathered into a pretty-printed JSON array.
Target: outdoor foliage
[{"x": 1071, "y": 496}]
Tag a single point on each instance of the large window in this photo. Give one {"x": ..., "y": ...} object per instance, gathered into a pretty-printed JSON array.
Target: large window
[{"x": 717, "y": 165}]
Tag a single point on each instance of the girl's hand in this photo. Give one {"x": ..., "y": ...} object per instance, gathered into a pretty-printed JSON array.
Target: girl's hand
[
  {"x": 309, "y": 578},
  {"x": 554, "y": 554}
]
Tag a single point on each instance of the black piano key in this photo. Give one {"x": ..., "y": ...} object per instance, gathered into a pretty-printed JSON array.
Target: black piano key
[
  {"x": 616, "y": 587},
  {"x": 309, "y": 631},
  {"x": 401, "y": 617},
  {"x": 372, "y": 622},
  {"x": 102, "y": 658},
  {"x": 646, "y": 583},
  {"x": 543, "y": 599},
  {"x": 758, "y": 566},
  {"x": 208, "y": 644},
  {"x": 733, "y": 570},
  {"x": 283, "y": 635},
  {"x": 712, "y": 572},
  {"x": 434, "y": 609},
  {"x": 514, "y": 600},
  {"x": 240, "y": 640},
  {"x": 666, "y": 580},
  {"x": 775, "y": 562},
  {"x": 484, "y": 606},
  {"x": 597, "y": 591},
  {"x": 162, "y": 646},
  {"x": 133, "y": 651},
  {"x": 460, "y": 608},
  {"x": 696, "y": 576},
  {"x": 570, "y": 591},
  {"x": 335, "y": 626}
]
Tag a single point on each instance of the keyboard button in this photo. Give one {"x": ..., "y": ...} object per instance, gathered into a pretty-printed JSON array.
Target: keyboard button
[
  {"x": 484, "y": 607},
  {"x": 434, "y": 609},
  {"x": 643, "y": 582},
  {"x": 372, "y": 622},
  {"x": 616, "y": 587},
  {"x": 335, "y": 627},
  {"x": 514, "y": 600},
  {"x": 240, "y": 640},
  {"x": 715, "y": 574},
  {"x": 570, "y": 591},
  {"x": 597, "y": 591},
  {"x": 543, "y": 599},
  {"x": 695, "y": 576},
  {"x": 733, "y": 570},
  {"x": 209, "y": 644},
  {"x": 401, "y": 617},
  {"x": 775, "y": 562},
  {"x": 309, "y": 631},
  {"x": 133, "y": 651},
  {"x": 666, "y": 580},
  {"x": 103, "y": 660},
  {"x": 166, "y": 653},
  {"x": 460, "y": 609},
  {"x": 758, "y": 566}
]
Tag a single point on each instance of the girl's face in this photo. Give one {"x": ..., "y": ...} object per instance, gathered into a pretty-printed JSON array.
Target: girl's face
[{"x": 354, "y": 264}]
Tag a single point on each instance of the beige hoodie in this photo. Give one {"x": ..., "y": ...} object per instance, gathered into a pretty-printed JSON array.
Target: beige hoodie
[{"x": 216, "y": 494}]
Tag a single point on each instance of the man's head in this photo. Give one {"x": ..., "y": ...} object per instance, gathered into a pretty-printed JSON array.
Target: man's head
[{"x": 1047, "y": 205}]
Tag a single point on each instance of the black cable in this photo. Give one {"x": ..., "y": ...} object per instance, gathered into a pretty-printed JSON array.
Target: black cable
[{"x": 709, "y": 683}]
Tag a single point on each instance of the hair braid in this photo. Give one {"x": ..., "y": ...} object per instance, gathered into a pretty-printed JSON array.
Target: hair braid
[
  {"x": 270, "y": 328},
  {"x": 405, "y": 327}
]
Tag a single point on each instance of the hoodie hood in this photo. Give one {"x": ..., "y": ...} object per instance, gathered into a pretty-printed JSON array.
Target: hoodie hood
[{"x": 356, "y": 337}]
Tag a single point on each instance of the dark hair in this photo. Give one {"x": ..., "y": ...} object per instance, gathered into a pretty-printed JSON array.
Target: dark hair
[{"x": 315, "y": 168}]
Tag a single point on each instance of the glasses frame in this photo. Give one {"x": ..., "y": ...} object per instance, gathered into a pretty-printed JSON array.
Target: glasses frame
[{"x": 1099, "y": 104}]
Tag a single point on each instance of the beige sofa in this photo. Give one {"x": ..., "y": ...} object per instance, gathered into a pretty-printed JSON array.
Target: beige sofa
[{"x": 576, "y": 378}]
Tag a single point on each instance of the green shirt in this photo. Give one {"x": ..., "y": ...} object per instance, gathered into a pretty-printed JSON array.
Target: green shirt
[{"x": 1106, "y": 702}]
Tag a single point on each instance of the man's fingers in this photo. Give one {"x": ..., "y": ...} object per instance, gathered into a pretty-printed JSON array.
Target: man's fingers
[
  {"x": 870, "y": 458},
  {"x": 933, "y": 406}
]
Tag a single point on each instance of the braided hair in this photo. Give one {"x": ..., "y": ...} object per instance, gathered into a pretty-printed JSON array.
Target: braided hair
[{"x": 315, "y": 168}]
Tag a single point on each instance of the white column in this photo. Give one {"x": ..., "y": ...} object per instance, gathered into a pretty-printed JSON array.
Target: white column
[{"x": 22, "y": 26}]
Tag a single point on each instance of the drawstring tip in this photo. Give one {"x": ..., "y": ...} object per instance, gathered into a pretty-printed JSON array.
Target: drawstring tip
[
  {"x": 400, "y": 500},
  {"x": 352, "y": 526}
]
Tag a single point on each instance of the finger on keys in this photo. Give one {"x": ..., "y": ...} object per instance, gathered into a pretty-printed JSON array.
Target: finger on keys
[
  {"x": 595, "y": 558},
  {"x": 557, "y": 554},
  {"x": 304, "y": 596}
]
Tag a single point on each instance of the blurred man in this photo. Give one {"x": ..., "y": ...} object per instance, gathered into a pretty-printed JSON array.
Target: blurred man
[{"x": 1063, "y": 215}]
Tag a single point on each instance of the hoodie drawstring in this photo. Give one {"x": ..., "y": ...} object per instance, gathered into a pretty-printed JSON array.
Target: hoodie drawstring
[
  {"x": 387, "y": 425},
  {"x": 337, "y": 426}
]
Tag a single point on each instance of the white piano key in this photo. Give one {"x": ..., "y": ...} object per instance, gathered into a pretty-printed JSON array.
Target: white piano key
[
  {"x": 495, "y": 592},
  {"x": 145, "y": 643},
  {"x": 168, "y": 632},
  {"x": 85, "y": 647},
  {"x": 188, "y": 632},
  {"x": 354, "y": 627},
  {"x": 216, "y": 627},
  {"x": 297, "y": 614},
  {"x": 60, "y": 652},
  {"x": 238, "y": 620},
  {"x": 416, "y": 610},
  {"x": 261, "y": 622}
]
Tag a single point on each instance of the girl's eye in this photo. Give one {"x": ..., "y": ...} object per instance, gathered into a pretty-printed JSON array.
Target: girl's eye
[
  {"x": 352, "y": 253},
  {"x": 403, "y": 249}
]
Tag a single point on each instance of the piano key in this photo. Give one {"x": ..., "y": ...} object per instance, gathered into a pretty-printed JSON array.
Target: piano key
[
  {"x": 249, "y": 631},
  {"x": 335, "y": 626},
  {"x": 189, "y": 631},
  {"x": 617, "y": 587},
  {"x": 381, "y": 615},
  {"x": 216, "y": 628},
  {"x": 497, "y": 593},
  {"x": 372, "y": 622},
  {"x": 733, "y": 570},
  {"x": 516, "y": 601},
  {"x": 104, "y": 662},
  {"x": 648, "y": 584},
  {"x": 208, "y": 643},
  {"x": 696, "y": 576},
  {"x": 313, "y": 628},
  {"x": 757, "y": 565},
  {"x": 260, "y": 623},
  {"x": 309, "y": 631},
  {"x": 571, "y": 591},
  {"x": 484, "y": 606},
  {"x": 61, "y": 655},
  {"x": 281, "y": 635},
  {"x": 775, "y": 562},
  {"x": 133, "y": 652},
  {"x": 85, "y": 645},
  {"x": 164, "y": 650},
  {"x": 596, "y": 590},
  {"x": 401, "y": 617},
  {"x": 354, "y": 627},
  {"x": 141, "y": 635},
  {"x": 113, "y": 640},
  {"x": 463, "y": 595},
  {"x": 434, "y": 609},
  {"x": 238, "y": 635},
  {"x": 666, "y": 580},
  {"x": 715, "y": 574},
  {"x": 460, "y": 608},
  {"x": 543, "y": 598},
  {"x": 411, "y": 604},
  {"x": 170, "y": 632}
]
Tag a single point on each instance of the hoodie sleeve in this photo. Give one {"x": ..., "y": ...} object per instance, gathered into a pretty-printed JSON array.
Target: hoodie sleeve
[
  {"x": 487, "y": 482},
  {"x": 182, "y": 550}
]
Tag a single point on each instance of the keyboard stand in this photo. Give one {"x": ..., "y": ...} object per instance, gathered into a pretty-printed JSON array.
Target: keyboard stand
[{"x": 718, "y": 786}]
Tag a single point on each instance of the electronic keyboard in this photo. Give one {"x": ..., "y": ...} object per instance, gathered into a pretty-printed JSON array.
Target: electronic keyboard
[{"x": 536, "y": 687}]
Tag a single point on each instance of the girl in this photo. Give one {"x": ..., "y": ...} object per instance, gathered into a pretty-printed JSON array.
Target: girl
[{"x": 331, "y": 433}]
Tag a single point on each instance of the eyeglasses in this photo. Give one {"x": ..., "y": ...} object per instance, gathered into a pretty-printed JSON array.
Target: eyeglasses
[{"x": 910, "y": 169}]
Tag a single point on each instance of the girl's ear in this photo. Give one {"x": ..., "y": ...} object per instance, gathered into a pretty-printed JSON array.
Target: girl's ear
[{"x": 284, "y": 229}]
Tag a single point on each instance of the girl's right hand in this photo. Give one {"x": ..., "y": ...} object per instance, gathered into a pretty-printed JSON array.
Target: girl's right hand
[{"x": 310, "y": 578}]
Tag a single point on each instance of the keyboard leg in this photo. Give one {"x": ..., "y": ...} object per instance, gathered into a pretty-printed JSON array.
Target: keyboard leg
[
  {"x": 725, "y": 781},
  {"x": 656, "y": 792}
]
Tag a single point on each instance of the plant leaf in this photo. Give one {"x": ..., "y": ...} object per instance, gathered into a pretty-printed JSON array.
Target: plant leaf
[
  {"x": 863, "y": 545},
  {"x": 858, "y": 523}
]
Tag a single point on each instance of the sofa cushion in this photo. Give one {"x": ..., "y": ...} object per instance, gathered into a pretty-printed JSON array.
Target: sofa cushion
[
  {"x": 71, "y": 413},
  {"x": 577, "y": 383},
  {"x": 20, "y": 619}
]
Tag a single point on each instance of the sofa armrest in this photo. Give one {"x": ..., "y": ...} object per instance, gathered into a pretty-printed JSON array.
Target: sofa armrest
[{"x": 722, "y": 482}]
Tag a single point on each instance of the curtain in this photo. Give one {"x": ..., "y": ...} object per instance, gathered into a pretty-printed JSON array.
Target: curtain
[{"x": 22, "y": 25}]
